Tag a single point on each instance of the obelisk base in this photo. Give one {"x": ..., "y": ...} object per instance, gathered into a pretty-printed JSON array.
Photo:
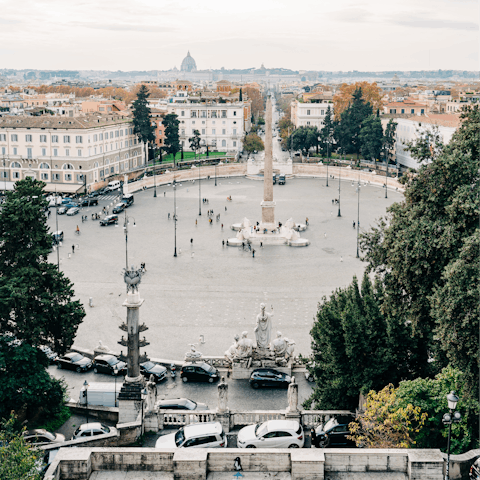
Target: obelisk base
[{"x": 268, "y": 213}]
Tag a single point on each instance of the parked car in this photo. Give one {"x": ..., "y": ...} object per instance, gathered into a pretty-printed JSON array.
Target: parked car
[
  {"x": 269, "y": 377},
  {"x": 109, "y": 220},
  {"x": 198, "y": 435},
  {"x": 94, "y": 194},
  {"x": 51, "y": 355},
  {"x": 475, "y": 470},
  {"x": 181, "y": 404},
  {"x": 109, "y": 364},
  {"x": 334, "y": 433},
  {"x": 70, "y": 205},
  {"x": 62, "y": 210},
  {"x": 149, "y": 368},
  {"x": 74, "y": 361},
  {"x": 92, "y": 430},
  {"x": 272, "y": 434},
  {"x": 199, "y": 372},
  {"x": 113, "y": 186},
  {"x": 40, "y": 436},
  {"x": 72, "y": 211},
  {"x": 66, "y": 200},
  {"x": 119, "y": 207},
  {"x": 128, "y": 199},
  {"x": 87, "y": 201}
]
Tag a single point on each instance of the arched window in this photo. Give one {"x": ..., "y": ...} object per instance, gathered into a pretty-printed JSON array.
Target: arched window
[
  {"x": 107, "y": 161},
  {"x": 95, "y": 165},
  {"x": 15, "y": 165},
  {"x": 117, "y": 158},
  {"x": 44, "y": 165},
  {"x": 126, "y": 155},
  {"x": 67, "y": 166}
]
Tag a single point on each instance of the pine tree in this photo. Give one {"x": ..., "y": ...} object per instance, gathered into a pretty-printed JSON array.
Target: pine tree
[
  {"x": 142, "y": 123},
  {"x": 172, "y": 137},
  {"x": 371, "y": 138},
  {"x": 240, "y": 96},
  {"x": 195, "y": 142},
  {"x": 326, "y": 133}
]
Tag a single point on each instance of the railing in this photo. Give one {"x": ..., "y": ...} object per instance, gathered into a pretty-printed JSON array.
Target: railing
[
  {"x": 255, "y": 416},
  {"x": 313, "y": 418},
  {"x": 175, "y": 418}
]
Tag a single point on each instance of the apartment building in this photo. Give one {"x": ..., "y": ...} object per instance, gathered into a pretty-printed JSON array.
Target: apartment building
[
  {"x": 67, "y": 152},
  {"x": 309, "y": 114}
]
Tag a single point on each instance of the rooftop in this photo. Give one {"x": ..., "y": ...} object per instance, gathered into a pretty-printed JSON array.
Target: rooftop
[{"x": 49, "y": 121}]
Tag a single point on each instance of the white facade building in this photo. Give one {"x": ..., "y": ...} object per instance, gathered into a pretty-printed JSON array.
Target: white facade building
[
  {"x": 61, "y": 150},
  {"x": 221, "y": 125},
  {"x": 309, "y": 114}
]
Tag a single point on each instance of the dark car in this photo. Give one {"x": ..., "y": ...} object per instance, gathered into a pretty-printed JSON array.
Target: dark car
[
  {"x": 127, "y": 199},
  {"x": 199, "y": 372},
  {"x": 334, "y": 433},
  {"x": 87, "y": 201},
  {"x": 51, "y": 355},
  {"x": 109, "y": 364},
  {"x": 94, "y": 194},
  {"x": 149, "y": 368},
  {"x": 181, "y": 404},
  {"x": 119, "y": 207},
  {"x": 74, "y": 361},
  {"x": 109, "y": 220},
  {"x": 268, "y": 377}
]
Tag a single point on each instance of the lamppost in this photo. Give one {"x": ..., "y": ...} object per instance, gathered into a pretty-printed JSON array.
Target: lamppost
[
  {"x": 386, "y": 178},
  {"x": 126, "y": 223},
  {"x": 328, "y": 159},
  {"x": 199, "y": 192},
  {"x": 85, "y": 384},
  {"x": 154, "y": 148},
  {"x": 358, "y": 212},
  {"x": 449, "y": 418},
  {"x": 175, "y": 215},
  {"x": 56, "y": 226},
  {"x": 339, "y": 176},
  {"x": 215, "y": 174}
]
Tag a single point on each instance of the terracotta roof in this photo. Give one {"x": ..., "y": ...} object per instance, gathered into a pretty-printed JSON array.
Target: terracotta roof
[
  {"x": 441, "y": 119},
  {"x": 49, "y": 121},
  {"x": 404, "y": 104}
]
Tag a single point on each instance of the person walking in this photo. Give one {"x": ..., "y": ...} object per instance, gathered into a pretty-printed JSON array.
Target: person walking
[
  {"x": 225, "y": 208},
  {"x": 306, "y": 221},
  {"x": 354, "y": 224},
  {"x": 222, "y": 226},
  {"x": 196, "y": 222},
  {"x": 169, "y": 215},
  {"x": 164, "y": 194},
  {"x": 73, "y": 248},
  {"x": 191, "y": 241},
  {"x": 223, "y": 243},
  {"x": 253, "y": 253}
]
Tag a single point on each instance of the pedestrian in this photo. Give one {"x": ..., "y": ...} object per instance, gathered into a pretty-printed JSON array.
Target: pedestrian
[
  {"x": 341, "y": 259},
  {"x": 225, "y": 208},
  {"x": 195, "y": 223},
  {"x": 73, "y": 248},
  {"x": 332, "y": 201},
  {"x": 49, "y": 212},
  {"x": 164, "y": 194},
  {"x": 261, "y": 244},
  {"x": 169, "y": 216},
  {"x": 306, "y": 221},
  {"x": 253, "y": 253},
  {"x": 191, "y": 241},
  {"x": 325, "y": 234},
  {"x": 193, "y": 254},
  {"x": 222, "y": 226},
  {"x": 223, "y": 243}
]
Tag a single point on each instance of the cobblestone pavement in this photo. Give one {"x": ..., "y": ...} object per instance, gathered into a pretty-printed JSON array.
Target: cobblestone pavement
[{"x": 208, "y": 289}]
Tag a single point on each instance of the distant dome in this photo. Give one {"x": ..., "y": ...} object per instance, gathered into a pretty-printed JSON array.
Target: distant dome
[{"x": 188, "y": 64}]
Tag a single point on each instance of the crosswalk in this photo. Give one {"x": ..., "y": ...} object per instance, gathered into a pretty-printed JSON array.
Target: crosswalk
[{"x": 108, "y": 197}]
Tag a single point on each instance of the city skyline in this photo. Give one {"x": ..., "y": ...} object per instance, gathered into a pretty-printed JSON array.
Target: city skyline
[{"x": 364, "y": 36}]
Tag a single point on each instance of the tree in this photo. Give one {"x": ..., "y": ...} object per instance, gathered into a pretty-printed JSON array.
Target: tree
[
  {"x": 255, "y": 97},
  {"x": 384, "y": 424},
  {"x": 25, "y": 385},
  {"x": 345, "y": 95},
  {"x": 285, "y": 126},
  {"x": 18, "y": 460},
  {"x": 142, "y": 124},
  {"x": 326, "y": 133},
  {"x": 172, "y": 137},
  {"x": 354, "y": 350},
  {"x": 195, "y": 142},
  {"x": 304, "y": 138},
  {"x": 36, "y": 300},
  {"x": 371, "y": 138},
  {"x": 240, "y": 96},
  {"x": 253, "y": 143},
  {"x": 427, "y": 146},
  {"x": 389, "y": 138}
]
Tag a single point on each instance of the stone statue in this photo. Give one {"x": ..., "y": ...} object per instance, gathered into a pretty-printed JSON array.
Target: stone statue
[
  {"x": 222, "y": 396},
  {"x": 290, "y": 348},
  {"x": 263, "y": 329},
  {"x": 151, "y": 393},
  {"x": 132, "y": 278},
  {"x": 279, "y": 345},
  {"x": 292, "y": 396},
  {"x": 101, "y": 347},
  {"x": 193, "y": 354},
  {"x": 245, "y": 346},
  {"x": 232, "y": 352}
]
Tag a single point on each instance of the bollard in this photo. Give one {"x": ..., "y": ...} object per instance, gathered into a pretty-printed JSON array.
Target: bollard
[
  {"x": 69, "y": 255},
  {"x": 76, "y": 246},
  {"x": 90, "y": 301},
  {"x": 202, "y": 339}
]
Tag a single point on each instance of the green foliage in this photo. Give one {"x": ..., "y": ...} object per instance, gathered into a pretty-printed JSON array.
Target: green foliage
[
  {"x": 195, "y": 142},
  {"x": 142, "y": 124},
  {"x": 430, "y": 395},
  {"x": 57, "y": 420},
  {"x": 355, "y": 349},
  {"x": 326, "y": 134},
  {"x": 428, "y": 145},
  {"x": 172, "y": 136},
  {"x": 261, "y": 121},
  {"x": 240, "y": 96},
  {"x": 253, "y": 143},
  {"x": 35, "y": 299},
  {"x": 25, "y": 385},
  {"x": 304, "y": 138},
  {"x": 17, "y": 459},
  {"x": 371, "y": 137},
  {"x": 389, "y": 138}
]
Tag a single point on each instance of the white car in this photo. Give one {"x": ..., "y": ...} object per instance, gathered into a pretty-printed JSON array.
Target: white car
[
  {"x": 72, "y": 211},
  {"x": 195, "y": 435},
  {"x": 272, "y": 434},
  {"x": 92, "y": 430}
]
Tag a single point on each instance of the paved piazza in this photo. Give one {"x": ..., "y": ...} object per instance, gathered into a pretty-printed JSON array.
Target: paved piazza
[{"x": 208, "y": 289}]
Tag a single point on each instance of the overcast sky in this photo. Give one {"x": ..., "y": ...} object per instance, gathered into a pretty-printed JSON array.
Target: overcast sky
[{"x": 296, "y": 34}]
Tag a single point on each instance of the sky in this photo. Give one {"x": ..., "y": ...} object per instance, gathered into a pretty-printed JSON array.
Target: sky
[{"x": 369, "y": 35}]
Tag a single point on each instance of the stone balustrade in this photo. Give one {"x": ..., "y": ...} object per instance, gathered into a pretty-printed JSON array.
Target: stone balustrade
[{"x": 172, "y": 418}]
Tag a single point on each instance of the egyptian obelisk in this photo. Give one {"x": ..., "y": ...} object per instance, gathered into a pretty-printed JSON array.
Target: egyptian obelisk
[{"x": 268, "y": 205}]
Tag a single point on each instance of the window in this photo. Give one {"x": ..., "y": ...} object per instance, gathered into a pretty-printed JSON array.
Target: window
[
  {"x": 44, "y": 165},
  {"x": 182, "y": 114},
  {"x": 223, "y": 131},
  {"x": 101, "y": 173},
  {"x": 203, "y": 131},
  {"x": 15, "y": 150},
  {"x": 15, "y": 165},
  {"x": 111, "y": 134},
  {"x": 214, "y": 114},
  {"x": 193, "y": 123},
  {"x": 224, "y": 114},
  {"x": 67, "y": 166},
  {"x": 43, "y": 138},
  {"x": 121, "y": 133},
  {"x": 234, "y": 144},
  {"x": 68, "y": 177},
  {"x": 44, "y": 176},
  {"x": 224, "y": 143},
  {"x": 56, "y": 176},
  {"x": 101, "y": 148},
  {"x": 422, "y": 111},
  {"x": 194, "y": 114},
  {"x": 214, "y": 131},
  {"x": 101, "y": 136},
  {"x": 308, "y": 112},
  {"x": 95, "y": 138},
  {"x": 183, "y": 131},
  {"x": 126, "y": 132},
  {"x": 66, "y": 139},
  {"x": 55, "y": 152},
  {"x": 78, "y": 139},
  {"x": 130, "y": 131},
  {"x": 79, "y": 177},
  {"x": 79, "y": 153},
  {"x": 67, "y": 152},
  {"x": 29, "y": 153},
  {"x": 14, "y": 137},
  {"x": 44, "y": 152},
  {"x": 234, "y": 113},
  {"x": 322, "y": 112},
  {"x": 116, "y": 134},
  {"x": 16, "y": 175},
  {"x": 4, "y": 174},
  {"x": 3, "y": 137},
  {"x": 403, "y": 110},
  {"x": 234, "y": 131},
  {"x": 204, "y": 114},
  {"x": 54, "y": 138},
  {"x": 308, "y": 123}
]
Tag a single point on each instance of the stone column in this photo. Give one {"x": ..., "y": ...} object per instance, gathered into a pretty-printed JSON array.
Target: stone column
[
  {"x": 268, "y": 205},
  {"x": 223, "y": 413}
]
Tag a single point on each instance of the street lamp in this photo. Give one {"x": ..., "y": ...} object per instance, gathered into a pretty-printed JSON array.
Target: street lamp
[
  {"x": 449, "y": 418},
  {"x": 215, "y": 174},
  {"x": 358, "y": 212},
  {"x": 125, "y": 230},
  {"x": 85, "y": 384},
  {"x": 328, "y": 159},
  {"x": 199, "y": 192},
  {"x": 386, "y": 178},
  {"x": 175, "y": 215},
  {"x": 154, "y": 148},
  {"x": 339, "y": 176}
]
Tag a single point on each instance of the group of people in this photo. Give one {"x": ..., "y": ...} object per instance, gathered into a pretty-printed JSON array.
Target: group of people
[
  {"x": 205, "y": 200},
  {"x": 85, "y": 218},
  {"x": 334, "y": 201}
]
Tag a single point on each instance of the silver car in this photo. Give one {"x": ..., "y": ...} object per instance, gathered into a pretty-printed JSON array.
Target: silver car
[
  {"x": 73, "y": 211},
  {"x": 272, "y": 434},
  {"x": 197, "y": 435}
]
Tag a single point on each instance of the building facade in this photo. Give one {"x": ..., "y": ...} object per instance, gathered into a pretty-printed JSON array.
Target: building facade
[
  {"x": 68, "y": 154},
  {"x": 309, "y": 114}
]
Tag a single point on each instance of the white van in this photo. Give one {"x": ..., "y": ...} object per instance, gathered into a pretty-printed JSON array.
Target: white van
[
  {"x": 113, "y": 185},
  {"x": 102, "y": 394}
]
